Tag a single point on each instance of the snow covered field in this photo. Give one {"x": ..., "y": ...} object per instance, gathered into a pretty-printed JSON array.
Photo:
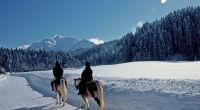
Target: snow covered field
[
  {"x": 2, "y": 77},
  {"x": 128, "y": 86},
  {"x": 149, "y": 69}
]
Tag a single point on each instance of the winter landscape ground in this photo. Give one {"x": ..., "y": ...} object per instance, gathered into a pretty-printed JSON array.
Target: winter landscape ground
[{"x": 128, "y": 86}]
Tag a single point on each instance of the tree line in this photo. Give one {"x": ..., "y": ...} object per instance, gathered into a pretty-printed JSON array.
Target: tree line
[
  {"x": 15, "y": 60},
  {"x": 175, "y": 35}
]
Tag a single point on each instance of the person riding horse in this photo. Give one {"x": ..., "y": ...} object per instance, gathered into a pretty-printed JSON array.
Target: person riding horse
[
  {"x": 58, "y": 74},
  {"x": 86, "y": 77},
  {"x": 89, "y": 88}
]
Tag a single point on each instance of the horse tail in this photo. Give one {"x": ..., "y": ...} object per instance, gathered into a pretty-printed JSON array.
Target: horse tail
[
  {"x": 100, "y": 94},
  {"x": 64, "y": 88}
]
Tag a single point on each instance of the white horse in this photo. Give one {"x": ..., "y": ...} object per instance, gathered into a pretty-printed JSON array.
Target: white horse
[
  {"x": 94, "y": 89},
  {"x": 61, "y": 91}
]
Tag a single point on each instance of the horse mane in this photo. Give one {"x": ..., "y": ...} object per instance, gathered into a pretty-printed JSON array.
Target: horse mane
[{"x": 79, "y": 78}]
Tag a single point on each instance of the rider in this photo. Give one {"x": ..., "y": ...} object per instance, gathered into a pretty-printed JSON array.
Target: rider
[
  {"x": 57, "y": 72},
  {"x": 86, "y": 76}
]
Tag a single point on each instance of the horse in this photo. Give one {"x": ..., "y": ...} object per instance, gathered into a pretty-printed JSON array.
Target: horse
[
  {"x": 94, "y": 89},
  {"x": 60, "y": 88}
]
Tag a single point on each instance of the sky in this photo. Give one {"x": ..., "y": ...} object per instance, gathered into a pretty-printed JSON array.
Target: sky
[{"x": 27, "y": 21}]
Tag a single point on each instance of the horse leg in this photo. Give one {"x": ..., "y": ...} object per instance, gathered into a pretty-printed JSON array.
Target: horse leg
[
  {"x": 57, "y": 98},
  {"x": 64, "y": 99},
  {"x": 60, "y": 98},
  {"x": 98, "y": 103},
  {"x": 64, "y": 91},
  {"x": 85, "y": 102},
  {"x": 82, "y": 103},
  {"x": 100, "y": 98}
]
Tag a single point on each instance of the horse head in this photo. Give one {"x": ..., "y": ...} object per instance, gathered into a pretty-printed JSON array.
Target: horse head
[{"x": 77, "y": 82}]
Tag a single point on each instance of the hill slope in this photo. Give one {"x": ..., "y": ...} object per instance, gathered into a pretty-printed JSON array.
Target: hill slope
[{"x": 175, "y": 35}]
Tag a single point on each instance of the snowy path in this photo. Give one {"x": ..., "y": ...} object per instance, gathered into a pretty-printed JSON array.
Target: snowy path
[
  {"x": 15, "y": 93},
  {"x": 137, "y": 94}
]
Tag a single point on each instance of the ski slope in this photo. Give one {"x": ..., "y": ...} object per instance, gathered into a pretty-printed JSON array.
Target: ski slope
[{"x": 128, "y": 86}]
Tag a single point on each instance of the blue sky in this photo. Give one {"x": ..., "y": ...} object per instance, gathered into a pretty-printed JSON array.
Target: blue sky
[{"x": 27, "y": 21}]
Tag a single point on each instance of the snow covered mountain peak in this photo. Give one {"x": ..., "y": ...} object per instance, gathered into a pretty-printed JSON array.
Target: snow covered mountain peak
[
  {"x": 96, "y": 41},
  {"x": 23, "y": 47},
  {"x": 60, "y": 43},
  {"x": 57, "y": 37}
]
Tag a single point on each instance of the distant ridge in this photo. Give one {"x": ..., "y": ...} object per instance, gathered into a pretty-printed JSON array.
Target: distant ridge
[{"x": 59, "y": 43}]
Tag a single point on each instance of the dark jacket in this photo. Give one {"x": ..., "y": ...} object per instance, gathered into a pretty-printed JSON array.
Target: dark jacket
[
  {"x": 86, "y": 75},
  {"x": 57, "y": 71}
]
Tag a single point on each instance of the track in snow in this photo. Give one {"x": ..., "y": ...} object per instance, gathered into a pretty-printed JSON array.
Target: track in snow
[{"x": 15, "y": 93}]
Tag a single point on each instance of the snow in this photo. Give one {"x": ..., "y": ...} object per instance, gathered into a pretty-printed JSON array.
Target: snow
[
  {"x": 23, "y": 47},
  {"x": 60, "y": 43},
  {"x": 17, "y": 94},
  {"x": 163, "y": 1},
  {"x": 128, "y": 86},
  {"x": 2, "y": 77},
  {"x": 96, "y": 41},
  {"x": 156, "y": 70},
  {"x": 83, "y": 44}
]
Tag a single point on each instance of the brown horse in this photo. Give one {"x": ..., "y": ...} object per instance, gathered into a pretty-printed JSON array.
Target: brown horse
[
  {"x": 61, "y": 91},
  {"x": 94, "y": 89}
]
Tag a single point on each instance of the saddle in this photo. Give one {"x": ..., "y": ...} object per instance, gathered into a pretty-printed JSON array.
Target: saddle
[
  {"x": 57, "y": 81},
  {"x": 92, "y": 85}
]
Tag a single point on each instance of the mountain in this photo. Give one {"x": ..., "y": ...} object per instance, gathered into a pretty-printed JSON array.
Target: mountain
[
  {"x": 112, "y": 52},
  {"x": 59, "y": 43},
  {"x": 175, "y": 35},
  {"x": 82, "y": 44},
  {"x": 23, "y": 47},
  {"x": 172, "y": 38},
  {"x": 96, "y": 41}
]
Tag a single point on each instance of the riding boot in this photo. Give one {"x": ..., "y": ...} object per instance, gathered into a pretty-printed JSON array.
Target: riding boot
[
  {"x": 80, "y": 89},
  {"x": 52, "y": 85}
]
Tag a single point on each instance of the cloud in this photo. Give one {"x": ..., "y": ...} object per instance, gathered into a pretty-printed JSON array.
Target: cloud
[
  {"x": 97, "y": 41},
  {"x": 163, "y": 1},
  {"x": 139, "y": 24},
  {"x": 133, "y": 30}
]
